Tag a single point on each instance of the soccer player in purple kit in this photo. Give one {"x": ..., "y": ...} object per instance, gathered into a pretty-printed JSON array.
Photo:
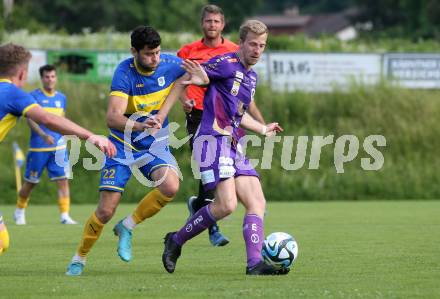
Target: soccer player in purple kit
[{"x": 232, "y": 84}]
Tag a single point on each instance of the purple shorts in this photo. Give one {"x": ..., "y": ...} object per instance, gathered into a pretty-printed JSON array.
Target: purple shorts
[{"x": 219, "y": 159}]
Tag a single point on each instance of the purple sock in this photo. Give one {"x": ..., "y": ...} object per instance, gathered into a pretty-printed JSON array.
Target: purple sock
[
  {"x": 195, "y": 225},
  {"x": 253, "y": 234}
]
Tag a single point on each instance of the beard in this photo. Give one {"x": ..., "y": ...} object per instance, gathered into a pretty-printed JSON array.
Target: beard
[
  {"x": 147, "y": 68},
  {"x": 211, "y": 34}
]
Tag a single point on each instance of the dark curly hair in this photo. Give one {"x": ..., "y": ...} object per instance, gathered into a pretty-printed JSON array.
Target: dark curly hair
[
  {"x": 145, "y": 36},
  {"x": 46, "y": 68}
]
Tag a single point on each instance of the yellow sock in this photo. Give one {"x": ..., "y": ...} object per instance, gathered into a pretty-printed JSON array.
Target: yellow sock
[
  {"x": 64, "y": 204},
  {"x": 152, "y": 203},
  {"x": 92, "y": 231},
  {"x": 22, "y": 202},
  {"x": 4, "y": 237}
]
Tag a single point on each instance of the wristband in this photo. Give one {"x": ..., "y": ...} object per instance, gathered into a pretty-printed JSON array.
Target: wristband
[{"x": 264, "y": 130}]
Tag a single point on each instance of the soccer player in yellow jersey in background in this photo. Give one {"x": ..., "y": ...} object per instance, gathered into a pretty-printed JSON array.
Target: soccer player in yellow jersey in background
[
  {"x": 14, "y": 62},
  {"x": 140, "y": 85},
  {"x": 44, "y": 144}
]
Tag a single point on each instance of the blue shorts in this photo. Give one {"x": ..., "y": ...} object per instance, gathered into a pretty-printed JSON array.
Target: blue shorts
[
  {"x": 118, "y": 170},
  {"x": 37, "y": 161}
]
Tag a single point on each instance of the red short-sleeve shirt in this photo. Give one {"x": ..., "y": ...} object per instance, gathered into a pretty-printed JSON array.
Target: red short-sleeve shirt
[{"x": 201, "y": 53}]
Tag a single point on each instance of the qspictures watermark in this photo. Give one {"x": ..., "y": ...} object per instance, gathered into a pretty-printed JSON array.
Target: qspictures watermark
[{"x": 294, "y": 152}]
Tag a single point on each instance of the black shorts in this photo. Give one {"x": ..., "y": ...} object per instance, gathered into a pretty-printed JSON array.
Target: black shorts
[{"x": 193, "y": 120}]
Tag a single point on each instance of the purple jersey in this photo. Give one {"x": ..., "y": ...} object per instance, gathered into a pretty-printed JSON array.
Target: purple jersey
[
  {"x": 216, "y": 146},
  {"x": 231, "y": 90}
]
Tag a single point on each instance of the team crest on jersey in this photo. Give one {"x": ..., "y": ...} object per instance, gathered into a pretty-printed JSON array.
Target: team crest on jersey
[
  {"x": 161, "y": 81},
  {"x": 58, "y": 104},
  {"x": 235, "y": 88}
]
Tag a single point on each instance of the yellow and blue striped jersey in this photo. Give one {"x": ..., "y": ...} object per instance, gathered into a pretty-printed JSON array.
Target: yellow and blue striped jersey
[
  {"x": 54, "y": 103},
  {"x": 145, "y": 92},
  {"x": 14, "y": 102}
]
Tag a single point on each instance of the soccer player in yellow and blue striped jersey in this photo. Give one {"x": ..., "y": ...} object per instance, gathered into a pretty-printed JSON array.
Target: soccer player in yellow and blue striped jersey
[
  {"x": 14, "y": 63},
  {"x": 43, "y": 146},
  {"x": 139, "y": 87}
]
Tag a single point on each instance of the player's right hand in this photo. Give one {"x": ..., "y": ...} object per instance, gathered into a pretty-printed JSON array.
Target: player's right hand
[{"x": 104, "y": 144}]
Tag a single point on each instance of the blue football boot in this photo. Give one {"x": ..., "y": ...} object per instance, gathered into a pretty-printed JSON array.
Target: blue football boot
[{"x": 124, "y": 244}]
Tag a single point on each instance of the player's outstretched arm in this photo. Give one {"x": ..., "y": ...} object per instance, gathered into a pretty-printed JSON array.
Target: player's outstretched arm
[
  {"x": 36, "y": 128},
  {"x": 195, "y": 75},
  {"x": 249, "y": 123},
  {"x": 175, "y": 94},
  {"x": 255, "y": 112},
  {"x": 67, "y": 127}
]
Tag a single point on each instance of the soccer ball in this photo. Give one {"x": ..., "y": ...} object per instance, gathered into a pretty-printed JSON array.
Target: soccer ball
[{"x": 280, "y": 250}]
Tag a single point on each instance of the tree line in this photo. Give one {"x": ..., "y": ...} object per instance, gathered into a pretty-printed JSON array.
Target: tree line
[{"x": 412, "y": 19}]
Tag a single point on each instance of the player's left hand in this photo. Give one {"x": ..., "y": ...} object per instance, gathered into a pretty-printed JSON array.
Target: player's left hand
[
  {"x": 104, "y": 144},
  {"x": 273, "y": 128}
]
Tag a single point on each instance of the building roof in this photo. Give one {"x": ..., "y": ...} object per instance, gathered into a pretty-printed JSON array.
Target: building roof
[
  {"x": 311, "y": 25},
  {"x": 284, "y": 20}
]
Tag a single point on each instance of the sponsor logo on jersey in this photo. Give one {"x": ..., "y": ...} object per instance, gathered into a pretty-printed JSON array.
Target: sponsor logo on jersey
[{"x": 141, "y": 106}]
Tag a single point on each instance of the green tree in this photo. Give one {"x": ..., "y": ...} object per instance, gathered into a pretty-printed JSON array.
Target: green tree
[
  {"x": 175, "y": 15},
  {"x": 73, "y": 16},
  {"x": 404, "y": 18}
]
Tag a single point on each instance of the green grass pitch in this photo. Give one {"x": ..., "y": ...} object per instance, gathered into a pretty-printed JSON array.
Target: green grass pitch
[{"x": 373, "y": 249}]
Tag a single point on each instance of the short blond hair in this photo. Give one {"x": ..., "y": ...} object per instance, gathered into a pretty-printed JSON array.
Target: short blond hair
[
  {"x": 253, "y": 26},
  {"x": 11, "y": 58}
]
